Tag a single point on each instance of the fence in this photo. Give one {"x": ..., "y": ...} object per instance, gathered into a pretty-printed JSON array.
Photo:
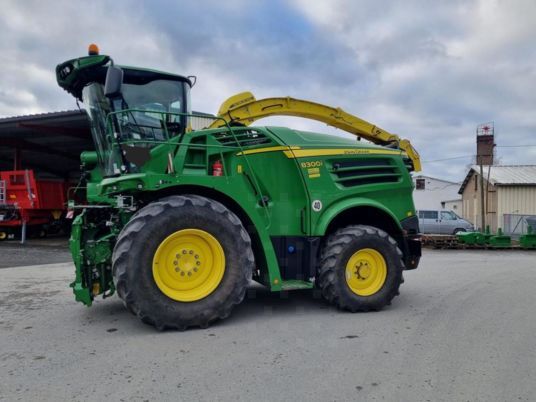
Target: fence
[{"x": 516, "y": 225}]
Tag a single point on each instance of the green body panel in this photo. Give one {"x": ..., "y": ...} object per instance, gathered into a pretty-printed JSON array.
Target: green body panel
[
  {"x": 342, "y": 205},
  {"x": 73, "y": 74},
  {"x": 284, "y": 182},
  {"x": 80, "y": 289},
  {"x": 394, "y": 198},
  {"x": 268, "y": 175}
]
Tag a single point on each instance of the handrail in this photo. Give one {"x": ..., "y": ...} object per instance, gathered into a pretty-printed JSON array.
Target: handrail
[{"x": 223, "y": 123}]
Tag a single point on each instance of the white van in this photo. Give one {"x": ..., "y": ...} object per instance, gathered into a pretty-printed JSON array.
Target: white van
[{"x": 442, "y": 222}]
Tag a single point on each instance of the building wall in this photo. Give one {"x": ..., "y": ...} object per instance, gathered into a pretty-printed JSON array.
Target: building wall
[
  {"x": 435, "y": 192},
  {"x": 471, "y": 203},
  {"x": 492, "y": 216},
  {"x": 519, "y": 200},
  {"x": 500, "y": 200},
  {"x": 453, "y": 205}
]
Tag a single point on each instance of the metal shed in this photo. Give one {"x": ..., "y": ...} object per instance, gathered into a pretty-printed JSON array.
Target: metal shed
[
  {"x": 509, "y": 194},
  {"x": 49, "y": 143},
  {"x": 39, "y": 159}
]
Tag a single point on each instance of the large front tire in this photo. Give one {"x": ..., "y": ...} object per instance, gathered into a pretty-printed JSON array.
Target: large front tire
[
  {"x": 184, "y": 261},
  {"x": 360, "y": 268}
]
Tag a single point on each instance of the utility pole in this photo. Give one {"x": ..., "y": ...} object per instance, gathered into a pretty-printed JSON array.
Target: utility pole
[{"x": 482, "y": 209}]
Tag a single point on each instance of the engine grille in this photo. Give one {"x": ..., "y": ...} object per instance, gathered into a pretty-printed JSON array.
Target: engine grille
[
  {"x": 242, "y": 138},
  {"x": 352, "y": 173}
]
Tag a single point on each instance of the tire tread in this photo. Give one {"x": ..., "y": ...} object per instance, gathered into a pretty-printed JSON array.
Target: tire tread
[
  {"x": 327, "y": 268},
  {"x": 125, "y": 243}
]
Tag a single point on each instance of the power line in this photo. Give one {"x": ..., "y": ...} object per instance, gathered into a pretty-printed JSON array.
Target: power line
[
  {"x": 449, "y": 159},
  {"x": 515, "y": 146},
  {"x": 473, "y": 156}
]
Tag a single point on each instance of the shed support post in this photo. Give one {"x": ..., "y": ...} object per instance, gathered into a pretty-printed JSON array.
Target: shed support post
[
  {"x": 23, "y": 233},
  {"x": 17, "y": 163},
  {"x": 482, "y": 203}
]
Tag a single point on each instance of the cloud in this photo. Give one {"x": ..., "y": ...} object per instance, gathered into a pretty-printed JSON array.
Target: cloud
[
  {"x": 442, "y": 70},
  {"x": 427, "y": 73}
]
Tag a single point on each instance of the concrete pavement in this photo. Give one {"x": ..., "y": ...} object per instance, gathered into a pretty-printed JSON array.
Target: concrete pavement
[
  {"x": 463, "y": 329},
  {"x": 36, "y": 251}
]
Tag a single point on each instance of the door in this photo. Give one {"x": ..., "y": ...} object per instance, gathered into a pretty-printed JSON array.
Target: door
[
  {"x": 448, "y": 222},
  {"x": 429, "y": 221}
]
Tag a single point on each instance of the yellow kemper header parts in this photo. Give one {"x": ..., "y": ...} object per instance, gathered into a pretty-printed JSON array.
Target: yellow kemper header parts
[{"x": 245, "y": 109}]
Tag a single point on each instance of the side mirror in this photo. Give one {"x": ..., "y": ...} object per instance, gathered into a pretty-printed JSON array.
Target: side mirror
[{"x": 114, "y": 80}]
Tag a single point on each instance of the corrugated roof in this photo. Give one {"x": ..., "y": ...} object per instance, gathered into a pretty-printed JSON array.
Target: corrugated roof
[
  {"x": 48, "y": 142},
  {"x": 504, "y": 175},
  {"x": 45, "y": 115},
  {"x": 509, "y": 175}
]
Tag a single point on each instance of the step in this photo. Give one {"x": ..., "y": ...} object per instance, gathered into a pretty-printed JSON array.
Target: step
[{"x": 294, "y": 284}]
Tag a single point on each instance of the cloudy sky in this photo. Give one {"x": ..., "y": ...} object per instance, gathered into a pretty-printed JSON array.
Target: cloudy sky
[{"x": 428, "y": 71}]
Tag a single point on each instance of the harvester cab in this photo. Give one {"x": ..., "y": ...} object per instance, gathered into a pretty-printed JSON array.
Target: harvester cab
[
  {"x": 184, "y": 210},
  {"x": 131, "y": 110}
]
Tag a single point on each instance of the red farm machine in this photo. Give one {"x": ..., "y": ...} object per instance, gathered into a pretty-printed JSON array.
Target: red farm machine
[{"x": 29, "y": 205}]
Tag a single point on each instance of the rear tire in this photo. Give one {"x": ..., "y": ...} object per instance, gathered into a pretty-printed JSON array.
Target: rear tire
[
  {"x": 360, "y": 268},
  {"x": 137, "y": 251}
]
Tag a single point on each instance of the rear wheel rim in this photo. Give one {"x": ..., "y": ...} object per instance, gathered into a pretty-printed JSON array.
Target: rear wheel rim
[
  {"x": 188, "y": 265},
  {"x": 365, "y": 272},
  {"x": 3, "y": 235}
]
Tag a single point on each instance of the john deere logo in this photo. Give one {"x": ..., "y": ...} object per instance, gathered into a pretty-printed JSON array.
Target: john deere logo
[{"x": 317, "y": 205}]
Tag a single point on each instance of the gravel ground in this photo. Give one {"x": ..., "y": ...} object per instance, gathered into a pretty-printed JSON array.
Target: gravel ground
[{"x": 463, "y": 329}]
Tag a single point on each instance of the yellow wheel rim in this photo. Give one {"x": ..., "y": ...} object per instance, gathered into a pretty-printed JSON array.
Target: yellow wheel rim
[
  {"x": 188, "y": 265},
  {"x": 366, "y": 271},
  {"x": 3, "y": 235}
]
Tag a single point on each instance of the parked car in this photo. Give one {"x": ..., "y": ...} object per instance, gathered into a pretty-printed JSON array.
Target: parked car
[{"x": 442, "y": 222}]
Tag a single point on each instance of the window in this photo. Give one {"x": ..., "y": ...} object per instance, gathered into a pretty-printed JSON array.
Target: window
[
  {"x": 420, "y": 184},
  {"x": 428, "y": 214},
  {"x": 447, "y": 216}
]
